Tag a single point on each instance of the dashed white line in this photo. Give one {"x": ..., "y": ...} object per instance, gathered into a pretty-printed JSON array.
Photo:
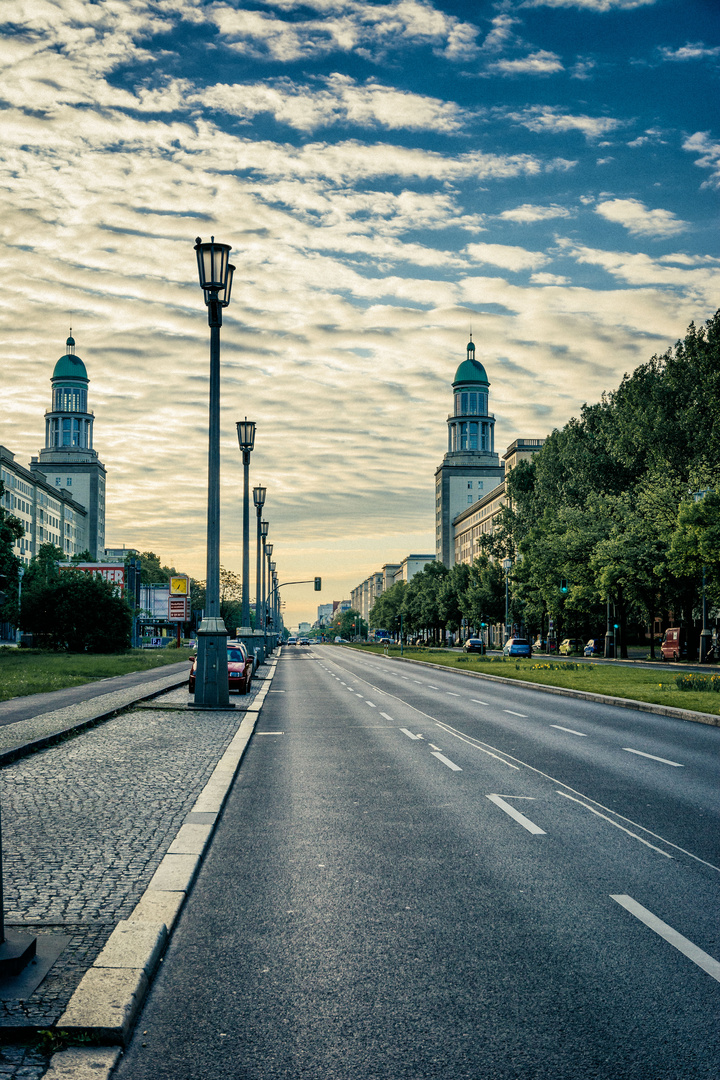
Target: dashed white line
[
  {"x": 570, "y": 731},
  {"x": 450, "y": 694},
  {"x": 693, "y": 952},
  {"x": 371, "y": 704},
  {"x": 433, "y": 687},
  {"x": 406, "y": 732},
  {"x": 516, "y": 815},
  {"x": 675, "y": 764},
  {"x": 446, "y": 761},
  {"x": 515, "y": 713},
  {"x": 478, "y": 702},
  {"x": 389, "y": 718}
]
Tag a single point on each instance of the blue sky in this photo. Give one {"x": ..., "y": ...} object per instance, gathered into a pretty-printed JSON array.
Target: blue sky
[{"x": 390, "y": 175}]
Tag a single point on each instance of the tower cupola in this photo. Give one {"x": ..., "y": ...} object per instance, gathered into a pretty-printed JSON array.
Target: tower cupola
[
  {"x": 68, "y": 424},
  {"x": 471, "y": 426}
]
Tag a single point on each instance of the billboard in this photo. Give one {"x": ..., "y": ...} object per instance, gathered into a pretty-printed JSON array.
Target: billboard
[{"x": 112, "y": 572}]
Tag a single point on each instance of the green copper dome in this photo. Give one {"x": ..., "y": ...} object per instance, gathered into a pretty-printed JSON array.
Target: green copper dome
[
  {"x": 70, "y": 367},
  {"x": 471, "y": 371}
]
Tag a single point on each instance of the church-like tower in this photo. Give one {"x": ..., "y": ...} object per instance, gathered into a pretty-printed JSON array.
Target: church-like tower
[
  {"x": 470, "y": 467},
  {"x": 68, "y": 459}
]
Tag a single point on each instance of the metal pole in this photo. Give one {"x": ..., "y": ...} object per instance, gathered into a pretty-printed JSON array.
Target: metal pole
[
  {"x": 211, "y": 678},
  {"x": 259, "y": 618},
  {"x": 245, "y": 616}
]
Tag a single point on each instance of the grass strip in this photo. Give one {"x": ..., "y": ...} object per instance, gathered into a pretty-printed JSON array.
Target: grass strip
[
  {"x": 34, "y": 671},
  {"x": 635, "y": 684}
]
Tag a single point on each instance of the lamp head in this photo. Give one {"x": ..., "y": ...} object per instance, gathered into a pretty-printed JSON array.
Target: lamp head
[
  {"x": 214, "y": 268},
  {"x": 264, "y": 526},
  {"x": 259, "y": 493},
  {"x": 246, "y": 434},
  {"x": 268, "y": 549}
]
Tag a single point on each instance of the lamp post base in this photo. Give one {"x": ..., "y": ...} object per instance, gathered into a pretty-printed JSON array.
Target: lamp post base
[
  {"x": 16, "y": 951},
  {"x": 211, "y": 673}
]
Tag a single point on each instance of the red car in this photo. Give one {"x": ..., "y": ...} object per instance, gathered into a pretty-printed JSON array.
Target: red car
[{"x": 240, "y": 668}]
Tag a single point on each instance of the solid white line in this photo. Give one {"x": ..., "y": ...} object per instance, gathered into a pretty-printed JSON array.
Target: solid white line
[
  {"x": 634, "y": 835},
  {"x": 675, "y": 764},
  {"x": 478, "y": 702},
  {"x": 474, "y": 743},
  {"x": 569, "y": 730},
  {"x": 515, "y": 713},
  {"x": 388, "y": 718},
  {"x": 516, "y": 815},
  {"x": 406, "y": 732},
  {"x": 693, "y": 952},
  {"x": 446, "y": 761},
  {"x": 370, "y": 703}
]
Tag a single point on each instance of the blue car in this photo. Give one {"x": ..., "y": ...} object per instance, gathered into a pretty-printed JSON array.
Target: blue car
[
  {"x": 516, "y": 646},
  {"x": 595, "y": 647}
]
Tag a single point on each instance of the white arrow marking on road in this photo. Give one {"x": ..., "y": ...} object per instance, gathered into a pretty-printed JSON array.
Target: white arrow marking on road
[
  {"x": 693, "y": 952},
  {"x": 570, "y": 730},
  {"x": 406, "y": 732},
  {"x": 446, "y": 761},
  {"x": 515, "y": 713},
  {"x": 675, "y": 764},
  {"x": 516, "y": 815}
]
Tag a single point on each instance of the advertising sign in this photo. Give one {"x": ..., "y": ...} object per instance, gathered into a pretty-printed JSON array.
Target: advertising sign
[
  {"x": 177, "y": 609},
  {"x": 112, "y": 572}
]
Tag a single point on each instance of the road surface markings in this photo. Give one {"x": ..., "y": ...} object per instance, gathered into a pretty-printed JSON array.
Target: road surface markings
[
  {"x": 446, "y": 761},
  {"x": 478, "y": 702},
  {"x": 598, "y": 814},
  {"x": 277, "y": 691},
  {"x": 450, "y": 694},
  {"x": 356, "y": 693},
  {"x": 570, "y": 731},
  {"x": 371, "y": 704},
  {"x": 269, "y": 732},
  {"x": 515, "y": 713},
  {"x": 693, "y": 952},
  {"x": 433, "y": 746},
  {"x": 473, "y": 742},
  {"x": 389, "y": 718},
  {"x": 433, "y": 687},
  {"x": 675, "y": 764},
  {"x": 405, "y": 731},
  {"x": 515, "y": 814}
]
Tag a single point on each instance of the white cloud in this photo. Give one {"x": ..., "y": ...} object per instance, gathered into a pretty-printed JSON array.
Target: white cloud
[
  {"x": 506, "y": 256},
  {"x": 501, "y": 34},
  {"x": 709, "y": 151},
  {"x": 590, "y": 5},
  {"x": 549, "y": 279},
  {"x": 638, "y": 220},
  {"x": 541, "y": 62},
  {"x": 542, "y": 118},
  {"x": 528, "y": 213},
  {"x": 691, "y": 51},
  {"x": 698, "y": 284}
]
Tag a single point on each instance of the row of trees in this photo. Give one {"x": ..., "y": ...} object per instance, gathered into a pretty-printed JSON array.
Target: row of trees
[{"x": 622, "y": 504}]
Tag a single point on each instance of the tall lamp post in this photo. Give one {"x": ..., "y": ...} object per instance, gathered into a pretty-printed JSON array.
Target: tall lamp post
[
  {"x": 211, "y": 679},
  {"x": 259, "y": 493},
  {"x": 268, "y": 552},
  {"x": 507, "y": 563},
  {"x": 246, "y": 439},
  {"x": 274, "y": 580},
  {"x": 705, "y": 633}
]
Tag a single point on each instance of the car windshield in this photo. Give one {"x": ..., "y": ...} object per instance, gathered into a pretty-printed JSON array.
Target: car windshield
[{"x": 235, "y": 655}]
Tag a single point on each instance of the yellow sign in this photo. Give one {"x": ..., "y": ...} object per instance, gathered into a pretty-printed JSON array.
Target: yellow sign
[{"x": 179, "y": 586}]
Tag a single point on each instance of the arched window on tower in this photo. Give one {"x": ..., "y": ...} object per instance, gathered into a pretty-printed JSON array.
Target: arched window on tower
[{"x": 473, "y": 435}]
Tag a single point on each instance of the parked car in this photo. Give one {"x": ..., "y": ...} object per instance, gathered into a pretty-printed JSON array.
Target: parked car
[
  {"x": 474, "y": 644},
  {"x": 540, "y": 644},
  {"x": 240, "y": 668},
  {"x": 674, "y": 644},
  {"x": 595, "y": 647},
  {"x": 516, "y": 646},
  {"x": 571, "y": 645}
]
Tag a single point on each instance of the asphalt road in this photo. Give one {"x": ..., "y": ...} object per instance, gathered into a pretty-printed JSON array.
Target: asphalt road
[{"x": 423, "y": 875}]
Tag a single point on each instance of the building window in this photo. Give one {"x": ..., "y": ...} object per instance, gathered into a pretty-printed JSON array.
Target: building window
[
  {"x": 469, "y": 483},
  {"x": 69, "y": 481},
  {"x": 58, "y": 480},
  {"x": 473, "y": 436},
  {"x": 463, "y": 436},
  {"x": 470, "y": 499}
]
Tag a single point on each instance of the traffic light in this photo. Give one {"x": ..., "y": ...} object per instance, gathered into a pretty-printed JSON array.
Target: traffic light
[
  {"x": 563, "y": 586},
  {"x": 318, "y": 584}
]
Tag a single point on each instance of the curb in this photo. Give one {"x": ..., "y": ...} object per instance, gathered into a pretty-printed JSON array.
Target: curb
[
  {"x": 586, "y": 695},
  {"x": 107, "y": 1001},
  {"x": 33, "y": 745}
]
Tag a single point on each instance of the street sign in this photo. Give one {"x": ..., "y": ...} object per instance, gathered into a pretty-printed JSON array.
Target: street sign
[
  {"x": 180, "y": 585},
  {"x": 177, "y": 609}
]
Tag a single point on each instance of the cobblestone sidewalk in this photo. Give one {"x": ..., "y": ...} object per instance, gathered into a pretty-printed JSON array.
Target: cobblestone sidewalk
[{"x": 85, "y": 824}]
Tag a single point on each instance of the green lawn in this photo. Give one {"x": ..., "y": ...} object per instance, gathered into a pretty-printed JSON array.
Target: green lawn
[
  {"x": 639, "y": 684},
  {"x": 32, "y": 671}
]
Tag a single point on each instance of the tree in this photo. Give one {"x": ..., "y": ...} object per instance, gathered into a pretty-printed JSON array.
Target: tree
[
  {"x": 348, "y": 624},
  {"x": 385, "y": 612},
  {"x": 75, "y": 611},
  {"x": 151, "y": 571},
  {"x": 695, "y": 543},
  {"x": 484, "y": 598},
  {"x": 230, "y": 599}
]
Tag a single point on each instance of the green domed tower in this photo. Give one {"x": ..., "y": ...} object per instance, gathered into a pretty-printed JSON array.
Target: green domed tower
[
  {"x": 68, "y": 460},
  {"x": 470, "y": 467}
]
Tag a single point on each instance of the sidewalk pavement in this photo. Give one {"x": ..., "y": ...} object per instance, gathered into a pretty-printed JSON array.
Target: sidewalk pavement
[{"x": 103, "y": 835}]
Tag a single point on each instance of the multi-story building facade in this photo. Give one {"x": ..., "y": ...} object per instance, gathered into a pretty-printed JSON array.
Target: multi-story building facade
[
  {"x": 364, "y": 595},
  {"x": 47, "y": 515}
]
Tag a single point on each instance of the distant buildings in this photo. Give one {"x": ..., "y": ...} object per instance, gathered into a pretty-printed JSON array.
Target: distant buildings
[
  {"x": 364, "y": 595},
  {"x": 60, "y": 499}
]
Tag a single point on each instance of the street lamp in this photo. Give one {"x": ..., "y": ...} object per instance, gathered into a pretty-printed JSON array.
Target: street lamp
[
  {"x": 507, "y": 563},
  {"x": 246, "y": 439},
  {"x": 705, "y": 633},
  {"x": 211, "y": 680},
  {"x": 268, "y": 550},
  {"x": 259, "y": 493}
]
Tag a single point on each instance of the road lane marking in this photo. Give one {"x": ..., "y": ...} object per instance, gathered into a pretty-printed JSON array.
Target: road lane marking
[
  {"x": 269, "y": 732},
  {"x": 515, "y": 713},
  {"x": 693, "y": 952},
  {"x": 472, "y": 742},
  {"x": 516, "y": 815},
  {"x": 370, "y": 703},
  {"x": 433, "y": 687},
  {"x": 570, "y": 731},
  {"x": 675, "y": 764},
  {"x": 277, "y": 691},
  {"x": 406, "y": 732},
  {"x": 598, "y": 814},
  {"x": 356, "y": 693},
  {"x": 450, "y": 694},
  {"x": 433, "y": 746},
  {"x": 477, "y": 702},
  {"x": 389, "y": 718},
  {"x": 446, "y": 761}
]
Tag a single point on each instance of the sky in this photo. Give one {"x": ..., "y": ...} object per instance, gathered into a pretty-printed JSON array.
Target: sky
[{"x": 391, "y": 175}]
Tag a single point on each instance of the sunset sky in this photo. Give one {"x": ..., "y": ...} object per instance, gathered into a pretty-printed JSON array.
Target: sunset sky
[{"x": 390, "y": 175}]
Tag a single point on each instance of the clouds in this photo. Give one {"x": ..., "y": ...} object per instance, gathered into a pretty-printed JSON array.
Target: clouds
[
  {"x": 551, "y": 119},
  {"x": 541, "y": 62},
  {"x": 701, "y": 143},
  {"x": 638, "y": 220}
]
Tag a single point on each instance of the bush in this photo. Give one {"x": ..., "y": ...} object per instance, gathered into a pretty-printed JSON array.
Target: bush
[
  {"x": 698, "y": 682},
  {"x": 77, "y": 612}
]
